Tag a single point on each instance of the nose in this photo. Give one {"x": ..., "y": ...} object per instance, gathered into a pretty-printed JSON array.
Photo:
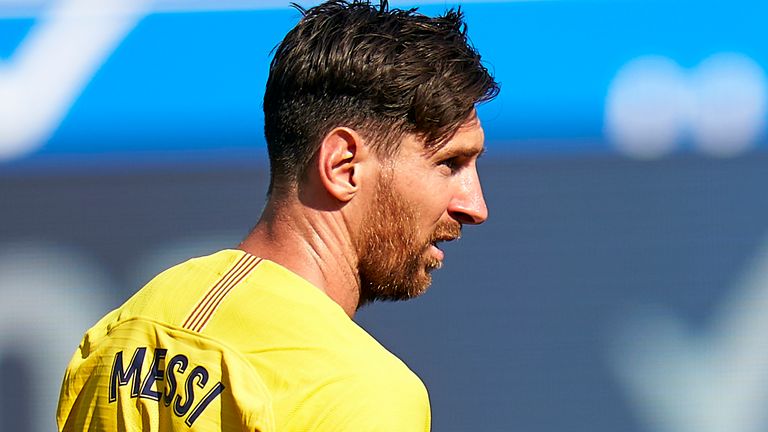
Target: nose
[{"x": 468, "y": 204}]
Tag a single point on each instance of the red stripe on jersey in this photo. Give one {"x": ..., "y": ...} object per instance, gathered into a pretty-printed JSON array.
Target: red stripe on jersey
[
  {"x": 222, "y": 280},
  {"x": 194, "y": 316},
  {"x": 222, "y": 294}
]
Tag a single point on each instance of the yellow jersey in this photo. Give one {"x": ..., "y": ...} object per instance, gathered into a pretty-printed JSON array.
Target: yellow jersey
[{"x": 234, "y": 342}]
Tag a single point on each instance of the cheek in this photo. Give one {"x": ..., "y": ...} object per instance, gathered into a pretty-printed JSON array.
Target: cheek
[
  {"x": 432, "y": 204},
  {"x": 428, "y": 193}
]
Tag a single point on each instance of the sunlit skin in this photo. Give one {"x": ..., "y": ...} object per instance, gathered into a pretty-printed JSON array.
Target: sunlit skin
[
  {"x": 425, "y": 199},
  {"x": 444, "y": 186},
  {"x": 318, "y": 229}
]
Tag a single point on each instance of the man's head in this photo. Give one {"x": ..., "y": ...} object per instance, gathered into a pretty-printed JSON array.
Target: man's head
[
  {"x": 385, "y": 73},
  {"x": 354, "y": 82}
]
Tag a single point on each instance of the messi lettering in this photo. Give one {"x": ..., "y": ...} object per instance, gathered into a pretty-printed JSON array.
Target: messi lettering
[{"x": 187, "y": 394}]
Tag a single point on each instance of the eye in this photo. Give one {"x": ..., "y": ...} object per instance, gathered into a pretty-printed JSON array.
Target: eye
[{"x": 453, "y": 164}]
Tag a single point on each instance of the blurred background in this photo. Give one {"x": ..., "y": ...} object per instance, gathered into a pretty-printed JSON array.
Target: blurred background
[{"x": 620, "y": 284}]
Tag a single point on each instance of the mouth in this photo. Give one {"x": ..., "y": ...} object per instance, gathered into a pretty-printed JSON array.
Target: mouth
[
  {"x": 444, "y": 232},
  {"x": 436, "y": 251}
]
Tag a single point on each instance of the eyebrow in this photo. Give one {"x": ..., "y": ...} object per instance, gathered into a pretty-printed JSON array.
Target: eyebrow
[{"x": 466, "y": 152}]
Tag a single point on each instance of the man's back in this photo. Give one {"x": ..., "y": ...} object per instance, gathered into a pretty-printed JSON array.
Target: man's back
[{"x": 231, "y": 341}]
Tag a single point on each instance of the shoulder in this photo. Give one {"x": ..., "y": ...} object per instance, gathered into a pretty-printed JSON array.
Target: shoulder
[
  {"x": 367, "y": 399},
  {"x": 169, "y": 296},
  {"x": 361, "y": 386}
]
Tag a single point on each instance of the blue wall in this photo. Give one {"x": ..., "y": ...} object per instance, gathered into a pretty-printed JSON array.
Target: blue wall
[{"x": 175, "y": 83}]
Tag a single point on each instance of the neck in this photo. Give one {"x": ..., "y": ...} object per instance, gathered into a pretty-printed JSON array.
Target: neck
[{"x": 314, "y": 244}]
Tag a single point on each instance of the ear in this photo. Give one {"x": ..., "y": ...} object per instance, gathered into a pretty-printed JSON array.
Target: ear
[{"x": 339, "y": 162}]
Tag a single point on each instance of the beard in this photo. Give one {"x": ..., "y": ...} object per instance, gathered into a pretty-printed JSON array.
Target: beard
[{"x": 393, "y": 263}]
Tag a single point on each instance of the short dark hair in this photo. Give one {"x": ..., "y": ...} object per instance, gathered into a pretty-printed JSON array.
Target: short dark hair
[{"x": 383, "y": 72}]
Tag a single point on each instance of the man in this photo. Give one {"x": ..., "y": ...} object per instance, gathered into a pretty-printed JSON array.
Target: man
[{"x": 373, "y": 140}]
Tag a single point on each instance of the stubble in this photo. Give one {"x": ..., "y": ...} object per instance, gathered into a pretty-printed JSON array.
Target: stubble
[{"x": 393, "y": 260}]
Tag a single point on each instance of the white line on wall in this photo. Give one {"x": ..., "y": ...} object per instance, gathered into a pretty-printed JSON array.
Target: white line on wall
[{"x": 54, "y": 63}]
